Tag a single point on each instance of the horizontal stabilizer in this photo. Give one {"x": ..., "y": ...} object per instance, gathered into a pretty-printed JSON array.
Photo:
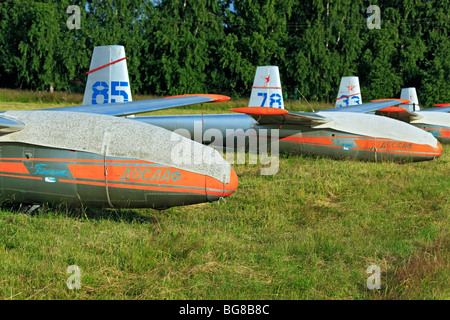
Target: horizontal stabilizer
[
  {"x": 400, "y": 100},
  {"x": 399, "y": 113},
  {"x": 392, "y": 109},
  {"x": 142, "y": 106},
  {"x": 281, "y": 117},
  {"x": 259, "y": 111},
  {"x": 8, "y": 125}
]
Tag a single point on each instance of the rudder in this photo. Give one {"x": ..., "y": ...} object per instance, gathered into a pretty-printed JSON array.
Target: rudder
[
  {"x": 266, "y": 89},
  {"x": 411, "y": 95},
  {"x": 107, "y": 80},
  {"x": 349, "y": 92}
]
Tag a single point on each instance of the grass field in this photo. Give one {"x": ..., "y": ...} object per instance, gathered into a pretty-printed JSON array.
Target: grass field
[
  {"x": 29, "y": 100},
  {"x": 309, "y": 232}
]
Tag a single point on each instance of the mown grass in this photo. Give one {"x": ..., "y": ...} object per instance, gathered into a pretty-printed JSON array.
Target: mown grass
[{"x": 308, "y": 232}]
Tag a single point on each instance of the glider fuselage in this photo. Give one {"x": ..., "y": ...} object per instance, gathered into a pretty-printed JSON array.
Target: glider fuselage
[
  {"x": 436, "y": 123},
  {"x": 351, "y": 139},
  {"x": 89, "y": 160},
  {"x": 36, "y": 174}
]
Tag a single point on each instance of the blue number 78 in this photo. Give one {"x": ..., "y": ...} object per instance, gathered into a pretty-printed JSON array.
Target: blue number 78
[{"x": 263, "y": 94}]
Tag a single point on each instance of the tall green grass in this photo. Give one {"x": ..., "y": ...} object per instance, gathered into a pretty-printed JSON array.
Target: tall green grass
[
  {"x": 308, "y": 232},
  {"x": 26, "y": 96}
]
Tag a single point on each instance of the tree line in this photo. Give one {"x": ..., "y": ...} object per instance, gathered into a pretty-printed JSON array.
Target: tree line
[{"x": 214, "y": 46}]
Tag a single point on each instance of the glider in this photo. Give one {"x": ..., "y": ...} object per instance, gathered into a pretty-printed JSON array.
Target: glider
[
  {"x": 338, "y": 132},
  {"x": 433, "y": 120},
  {"x": 85, "y": 156}
]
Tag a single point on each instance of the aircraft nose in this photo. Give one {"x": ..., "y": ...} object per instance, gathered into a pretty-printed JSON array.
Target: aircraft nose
[
  {"x": 232, "y": 185},
  {"x": 216, "y": 189},
  {"x": 439, "y": 150}
]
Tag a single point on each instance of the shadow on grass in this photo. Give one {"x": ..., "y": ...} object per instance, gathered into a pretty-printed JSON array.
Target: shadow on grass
[{"x": 119, "y": 215}]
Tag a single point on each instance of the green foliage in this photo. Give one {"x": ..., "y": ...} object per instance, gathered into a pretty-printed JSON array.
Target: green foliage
[
  {"x": 191, "y": 46},
  {"x": 436, "y": 65},
  {"x": 32, "y": 45},
  {"x": 119, "y": 23},
  {"x": 182, "y": 42}
]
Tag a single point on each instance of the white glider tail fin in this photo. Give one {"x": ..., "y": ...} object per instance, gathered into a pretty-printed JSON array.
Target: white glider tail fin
[
  {"x": 411, "y": 95},
  {"x": 349, "y": 92},
  {"x": 108, "y": 80},
  {"x": 266, "y": 89}
]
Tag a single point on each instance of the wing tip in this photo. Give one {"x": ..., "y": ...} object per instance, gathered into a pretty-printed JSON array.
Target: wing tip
[
  {"x": 403, "y": 101},
  {"x": 213, "y": 97}
]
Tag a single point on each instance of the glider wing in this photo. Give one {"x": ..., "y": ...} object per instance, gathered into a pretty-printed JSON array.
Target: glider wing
[{"x": 142, "y": 106}]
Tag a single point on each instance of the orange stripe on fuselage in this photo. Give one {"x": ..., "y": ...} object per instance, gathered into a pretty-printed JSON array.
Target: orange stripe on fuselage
[
  {"x": 310, "y": 140},
  {"x": 13, "y": 167},
  {"x": 138, "y": 174},
  {"x": 343, "y": 137},
  {"x": 135, "y": 175},
  {"x": 397, "y": 147},
  {"x": 383, "y": 145}
]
